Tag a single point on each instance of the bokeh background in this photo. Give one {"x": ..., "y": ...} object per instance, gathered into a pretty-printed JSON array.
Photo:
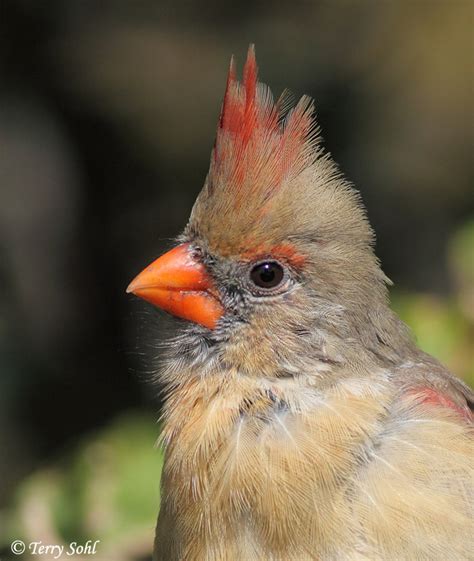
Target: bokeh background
[{"x": 107, "y": 118}]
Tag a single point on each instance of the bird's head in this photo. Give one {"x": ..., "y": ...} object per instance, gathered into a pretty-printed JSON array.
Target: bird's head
[{"x": 276, "y": 263}]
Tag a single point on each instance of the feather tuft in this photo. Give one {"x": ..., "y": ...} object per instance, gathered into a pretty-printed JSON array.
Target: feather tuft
[{"x": 260, "y": 143}]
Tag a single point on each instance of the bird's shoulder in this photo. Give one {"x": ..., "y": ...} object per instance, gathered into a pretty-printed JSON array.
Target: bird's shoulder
[
  {"x": 430, "y": 387},
  {"x": 413, "y": 493}
]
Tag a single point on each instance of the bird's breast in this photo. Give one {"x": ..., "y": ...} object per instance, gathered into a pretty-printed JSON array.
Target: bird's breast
[{"x": 267, "y": 463}]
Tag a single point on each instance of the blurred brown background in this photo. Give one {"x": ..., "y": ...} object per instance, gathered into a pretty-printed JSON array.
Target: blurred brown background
[{"x": 107, "y": 118}]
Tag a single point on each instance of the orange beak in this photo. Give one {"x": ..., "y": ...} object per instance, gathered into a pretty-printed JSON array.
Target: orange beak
[{"x": 180, "y": 285}]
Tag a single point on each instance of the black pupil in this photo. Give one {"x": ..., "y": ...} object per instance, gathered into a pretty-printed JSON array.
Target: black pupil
[{"x": 267, "y": 275}]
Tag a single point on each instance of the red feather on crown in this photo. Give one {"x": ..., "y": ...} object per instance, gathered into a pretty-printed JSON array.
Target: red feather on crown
[{"x": 260, "y": 143}]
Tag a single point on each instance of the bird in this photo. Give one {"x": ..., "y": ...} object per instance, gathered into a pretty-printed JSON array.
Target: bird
[{"x": 301, "y": 422}]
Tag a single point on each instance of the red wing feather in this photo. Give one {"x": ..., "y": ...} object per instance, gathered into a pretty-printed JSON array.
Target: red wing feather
[{"x": 435, "y": 397}]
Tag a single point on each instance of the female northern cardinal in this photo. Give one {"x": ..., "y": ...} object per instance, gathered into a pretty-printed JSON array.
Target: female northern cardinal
[{"x": 301, "y": 421}]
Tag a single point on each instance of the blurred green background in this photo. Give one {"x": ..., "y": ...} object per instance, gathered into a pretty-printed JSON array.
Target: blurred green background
[{"x": 107, "y": 118}]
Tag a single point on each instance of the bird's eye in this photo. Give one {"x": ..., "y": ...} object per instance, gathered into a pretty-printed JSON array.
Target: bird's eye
[{"x": 267, "y": 275}]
